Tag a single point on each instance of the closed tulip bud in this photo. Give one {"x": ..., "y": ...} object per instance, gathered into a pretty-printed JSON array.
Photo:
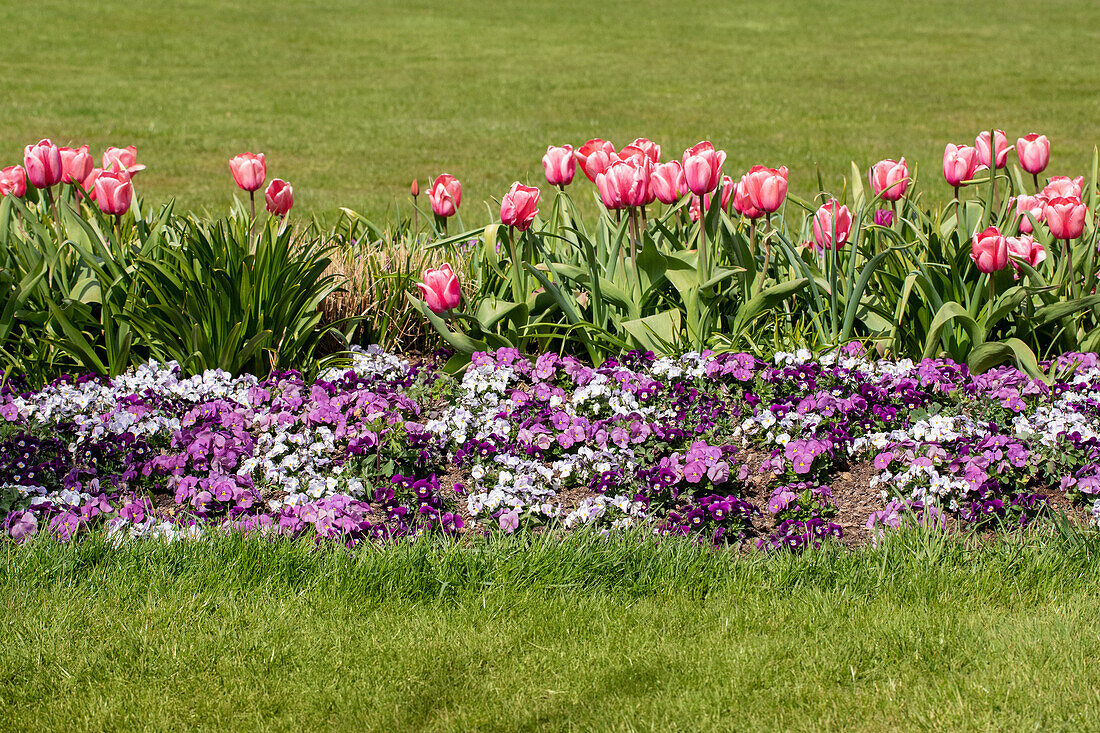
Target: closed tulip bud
[
  {"x": 1065, "y": 217},
  {"x": 989, "y": 250},
  {"x": 559, "y": 165},
  {"x": 414, "y": 189},
  {"x": 884, "y": 217},
  {"x": 445, "y": 195},
  {"x": 832, "y": 225},
  {"x": 703, "y": 167},
  {"x": 766, "y": 187},
  {"x": 599, "y": 152},
  {"x": 667, "y": 182},
  {"x": 742, "y": 203},
  {"x": 440, "y": 289},
  {"x": 519, "y": 206},
  {"x": 279, "y": 197},
  {"x": 114, "y": 192},
  {"x": 43, "y": 164},
  {"x": 1025, "y": 205},
  {"x": 76, "y": 164},
  {"x": 649, "y": 148},
  {"x": 616, "y": 185},
  {"x": 1000, "y": 147},
  {"x": 122, "y": 159},
  {"x": 960, "y": 162},
  {"x": 13, "y": 181},
  {"x": 1025, "y": 248},
  {"x": 889, "y": 178},
  {"x": 249, "y": 171},
  {"x": 1064, "y": 187},
  {"x": 1034, "y": 152}
]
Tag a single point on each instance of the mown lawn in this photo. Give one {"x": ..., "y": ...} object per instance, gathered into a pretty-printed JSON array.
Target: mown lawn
[
  {"x": 352, "y": 99},
  {"x": 523, "y": 635}
]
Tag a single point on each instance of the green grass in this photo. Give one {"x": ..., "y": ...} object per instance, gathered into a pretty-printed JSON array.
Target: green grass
[
  {"x": 351, "y": 100},
  {"x": 524, "y": 635}
]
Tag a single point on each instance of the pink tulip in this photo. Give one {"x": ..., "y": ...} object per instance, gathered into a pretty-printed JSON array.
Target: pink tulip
[
  {"x": 43, "y": 164},
  {"x": 829, "y": 220},
  {"x": 519, "y": 206},
  {"x": 1025, "y": 248},
  {"x": 1065, "y": 217},
  {"x": 643, "y": 192},
  {"x": 414, "y": 188},
  {"x": 889, "y": 178},
  {"x": 440, "y": 289},
  {"x": 667, "y": 183},
  {"x": 76, "y": 164},
  {"x": 599, "y": 152},
  {"x": 742, "y": 204},
  {"x": 1000, "y": 145},
  {"x": 445, "y": 195},
  {"x": 114, "y": 192},
  {"x": 89, "y": 182},
  {"x": 13, "y": 181},
  {"x": 1064, "y": 187},
  {"x": 559, "y": 165},
  {"x": 989, "y": 250},
  {"x": 766, "y": 187},
  {"x": 703, "y": 167},
  {"x": 123, "y": 159},
  {"x": 960, "y": 162},
  {"x": 624, "y": 185},
  {"x": 651, "y": 149},
  {"x": 279, "y": 197},
  {"x": 1034, "y": 152},
  {"x": 884, "y": 217},
  {"x": 1025, "y": 205},
  {"x": 249, "y": 171}
]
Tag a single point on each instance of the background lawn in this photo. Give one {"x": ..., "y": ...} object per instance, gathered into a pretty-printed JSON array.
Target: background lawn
[
  {"x": 920, "y": 634},
  {"x": 351, "y": 100}
]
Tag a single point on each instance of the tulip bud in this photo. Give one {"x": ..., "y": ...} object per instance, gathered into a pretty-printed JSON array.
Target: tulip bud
[
  {"x": 766, "y": 187},
  {"x": 989, "y": 250},
  {"x": 249, "y": 170},
  {"x": 440, "y": 289},
  {"x": 42, "y": 163},
  {"x": 279, "y": 197},
  {"x": 559, "y": 165},
  {"x": 889, "y": 178},
  {"x": 1000, "y": 148},
  {"x": 114, "y": 192},
  {"x": 595, "y": 156},
  {"x": 519, "y": 206},
  {"x": 650, "y": 149},
  {"x": 1065, "y": 217},
  {"x": 1025, "y": 248},
  {"x": 1034, "y": 152},
  {"x": 742, "y": 203},
  {"x": 832, "y": 225},
  {"x": 76, "y": 164},
  {"x": 960, "y": 162},
  {"x": 414, "y": 189},
  {"x": 445, "y": 195},
  {"x": 884, "y": 217},
  {"x": 13, "y": 181},
  {"x": 667, "y": 183},
  {"x": 1025, "y": 205},
  {"x": 703, "y": 167}
]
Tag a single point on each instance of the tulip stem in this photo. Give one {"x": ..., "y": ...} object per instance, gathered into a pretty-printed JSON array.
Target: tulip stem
[
  {"x": 53, "y": 209},
  {"x": 1035, "y": 177},
  {"x": 1069, "y": 264},
  {"x": 703, "y": 277},
  {"x": 992, "y": 292},
  {"x": 252, "y": 221},
  {"x": 118, "y": 228},
  {"x": 958, "y": 221}
]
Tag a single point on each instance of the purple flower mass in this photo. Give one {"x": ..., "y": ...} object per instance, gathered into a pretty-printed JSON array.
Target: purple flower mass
[{"x": 722, "y": 448}]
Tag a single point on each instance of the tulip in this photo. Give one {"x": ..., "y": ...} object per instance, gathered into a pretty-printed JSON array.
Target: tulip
[
  {"x": 445, "y": 195},
  {"x": 89, "y": 182},
  {"x": 989, "y": 250},
  {"x": 1065, "y": 217},
  {"x": 742, "y": 204},
  {"x": 279, "y": 197},
  {"x": 440, "y": 289},
  {"x": 1025, "y": 205},
  {"x": 1064, "y": 187},
  {"x": 594, "y": 157},
  {"x": 13, "y": 181},
  {"x": 76, "y": 164},
  {"x": 1000, "y": 145},
  {"x": 889, "y": 178},
  {"x": 667, "y": 183},
  {"x": 123, "y": 159},
  {"x": 559, "y": 165},
  {"x": 1025, "y": 248},
  {"x": 43, "y": 164},
  {"x": 414, "y": 188},
  {"x": 1034, "y": 153},
  {"x": 643, "y": 192},
  {"x": 249, "y": 171},
  {"x": 960, "y": 162},
  {"x": 766, "y": 187},
  {"x": 650, "y": 149},
  {"x": 884, "y": 217},
  {"x": 519, "y": 206},
  {"x": 114, "y": 192},
  {"x": 618, "y": 185},
  {"x": 703, "y": 167},
  {"x": 832, "y": 225}
]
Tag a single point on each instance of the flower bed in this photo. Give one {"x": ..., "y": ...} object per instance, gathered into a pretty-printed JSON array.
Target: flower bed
[{"x": 726, "y": 448}]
